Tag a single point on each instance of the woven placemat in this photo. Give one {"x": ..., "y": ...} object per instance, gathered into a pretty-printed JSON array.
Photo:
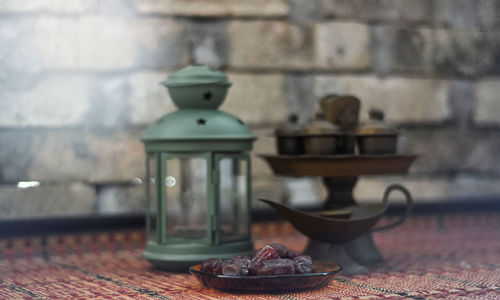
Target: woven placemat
[{"x": 429, "y": 257}]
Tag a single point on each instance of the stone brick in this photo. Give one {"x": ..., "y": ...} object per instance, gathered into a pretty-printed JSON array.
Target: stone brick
[
  {"x": 300, "y": 97},
  {"x": 402, "y": 49},
  {"x": 89, "y": 156},
  {"x": 369, "y": 10},
  {"x": 491, "y": 53},
  {"x": 19, "y": 63},
  {"x": 487, "y": 110},
  {"x": 304, "y": 191},
  {"x": 463, "y": 52},
  {"x": 148, "y": 99},
  {"x": 416, "y": 10},
  {"x": 489, "y": 14},
  {"x": 444, "y": 151},
  {"x": 370, "y": 189},
  {"x": 383, "y": 49},
  {"x": 54, "y": 6},
  {"x": 161, "y": 43},
  {"x": 468, "y": 187},
  {"x": 297, "y": 192},
  {"x": 267, "y": 187},
  {"x": 269, "y": 44},
  {"x": 304, "y": 13},
  {"x": 275, "y": 44},
  {"x": 209, "y": 42},
  {"x": 105, "y": 43},
  {"x": 379, "y": 10},
  {"x": 214, "y": 8},
  {"x": 46, "y": 201},
  {"x": 88, "y": 42},
  {"x": 109, "y": 103},
  {"x": 115, "y": 8},
  {"x": 265, "y": 144},
  {"x": 256, "y": 99},
  {"x": 440, "y": 151},
  {"x": 15, "y": 155},
  {"x": 342, "y": 46},
  {"x": 121, "y": 199},
  {"x": 52, "y": 101},
  {"x": 455, "y": 13},
  {"x": 422, "y": 189},
  {"x": 462, "y": 100},
  {"x": 404, "y": 100},
  {"x": 482, "y": 153}
]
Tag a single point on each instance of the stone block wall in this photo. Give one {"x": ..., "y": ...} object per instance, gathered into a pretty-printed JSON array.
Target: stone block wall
[{"x": 79, "y": 83}]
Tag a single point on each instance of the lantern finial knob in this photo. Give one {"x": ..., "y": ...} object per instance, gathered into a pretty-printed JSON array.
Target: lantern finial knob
[{"x": 197, "y": 87}]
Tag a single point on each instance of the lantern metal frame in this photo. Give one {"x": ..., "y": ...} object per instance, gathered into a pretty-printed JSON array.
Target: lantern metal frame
[
  {"x": 177, "y": 253},
  {"x": 177, "y": 136},
  {"x": 241, "y": 156}
]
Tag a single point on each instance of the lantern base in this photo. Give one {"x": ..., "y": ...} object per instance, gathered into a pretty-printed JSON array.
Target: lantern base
[{"x": 179, "y": 257}]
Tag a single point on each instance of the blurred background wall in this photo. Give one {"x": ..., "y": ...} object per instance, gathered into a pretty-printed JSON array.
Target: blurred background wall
[{"x": 79, "y": 83}]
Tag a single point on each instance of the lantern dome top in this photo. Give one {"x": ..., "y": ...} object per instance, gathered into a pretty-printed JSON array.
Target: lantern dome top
[
  {"x": 185, "y": 125},
  {"x": 198, "y": 91},
  {"x": 197, "y": 87},
  {"x": 196, "y": 75}
]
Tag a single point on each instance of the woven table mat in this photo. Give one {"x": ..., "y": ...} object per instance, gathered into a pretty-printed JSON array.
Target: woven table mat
[{"x": 429, "y": 257}]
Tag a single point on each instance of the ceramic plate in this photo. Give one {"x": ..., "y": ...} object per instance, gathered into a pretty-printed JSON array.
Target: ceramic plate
[{"x": 325, "y": 272}]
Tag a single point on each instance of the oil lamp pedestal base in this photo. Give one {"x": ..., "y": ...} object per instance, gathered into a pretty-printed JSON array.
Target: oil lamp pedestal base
[
  {"x": 354, "y": 256},
  {"x": 364, "y": 250}
]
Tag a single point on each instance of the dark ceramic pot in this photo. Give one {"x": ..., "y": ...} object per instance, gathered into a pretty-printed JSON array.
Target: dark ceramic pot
[
  {"x": 377, "y": 144},
  {"x": 322, "y": 137},
  {"x": 289, "y": 140},
  {"x": 323, "y": 144},
  {"x": 290, "y": 145},
  {"x": 375, "y": 136}
]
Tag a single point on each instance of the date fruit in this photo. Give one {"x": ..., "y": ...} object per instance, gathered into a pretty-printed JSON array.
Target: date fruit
[
  {"x": 292, "y": 254},
  {"x": 280, "y": 249},
  {"x": 303, "y": 264},
  {"x": 274, "y": 259},
  {"x": 213, "y": 265},
  {"x": 236, "y": 266},
  {"x": 265, "y": 253},
  {"x": 277, "y": 266},
  {"x": 234, "y": 270}
]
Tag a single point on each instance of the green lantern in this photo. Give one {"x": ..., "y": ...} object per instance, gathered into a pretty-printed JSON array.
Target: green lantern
[{"x": 198, "y": 185}]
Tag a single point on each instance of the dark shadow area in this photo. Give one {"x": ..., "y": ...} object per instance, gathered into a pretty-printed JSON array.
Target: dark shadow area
[{"x": 81, "y": 224}]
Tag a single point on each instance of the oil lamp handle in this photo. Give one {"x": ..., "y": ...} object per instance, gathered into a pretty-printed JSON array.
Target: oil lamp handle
[{"x": 409, "y": 206}]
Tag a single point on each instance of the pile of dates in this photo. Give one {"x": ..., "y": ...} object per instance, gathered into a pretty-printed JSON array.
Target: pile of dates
[{"x": 274, "y": 259}]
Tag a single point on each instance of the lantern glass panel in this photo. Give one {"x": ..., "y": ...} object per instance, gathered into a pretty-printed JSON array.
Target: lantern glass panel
[
  {"x": 233, "y": 193},
  {"x": 152, "y": 197},
  {"x": 185, "y": 184}
]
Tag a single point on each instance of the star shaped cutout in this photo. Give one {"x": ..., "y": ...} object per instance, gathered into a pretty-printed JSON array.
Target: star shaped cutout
[
  {"x": 201, "y": 121},
  {"x": 207, "y": 96}
]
